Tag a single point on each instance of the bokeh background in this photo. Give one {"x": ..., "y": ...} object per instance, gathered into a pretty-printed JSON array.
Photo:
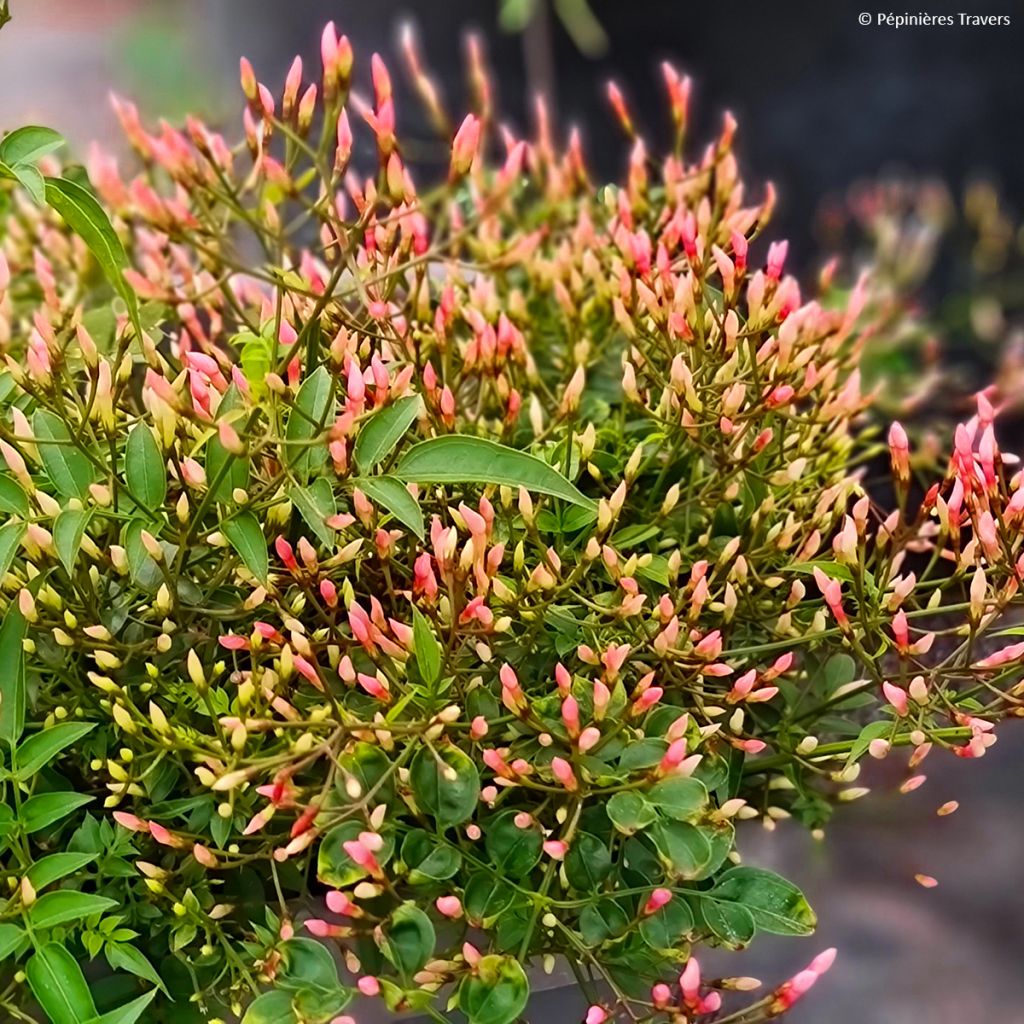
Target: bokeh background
[{"x": 827, "y": 109}]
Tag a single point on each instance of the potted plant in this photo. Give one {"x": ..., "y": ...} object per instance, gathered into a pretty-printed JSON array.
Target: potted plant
[{"x": 407, "y": 588}]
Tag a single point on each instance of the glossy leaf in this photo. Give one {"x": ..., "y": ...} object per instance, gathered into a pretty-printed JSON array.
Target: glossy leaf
[
  {"x": 57, "y": 866},
  {"x": 391, "y": 494},
  {"x": 64, "y": 905},
  {"x": 306, "y": 422},
  {"x": 12, "y": 677},
  {"x": 68, "y": 469},
  {"x": 129, "y": 1013},
  {"x": 496, "y": 992},
  {"x": 68, "y": 531},
  {"x": 409, "y": 940},
  {"x": 59, "y": 986},
  {"x": 679, "y": 797},
  {"x": 12, "y": 938},
  {"x": 588, "y": 863},
  {"x": 514, "y": 851},
  {"x": 10, "y": 539},
  {"x": 144, "y": 467},
  {"x": 89, "y": 221},
  {"x": 427, "y": 860},
  {"x": 666, "y": 926},
  {"x": 316, "y": 504},
  {"x": 126, "y": 957},
  {"x": 630, "y": 812},
  {"x": 39, "y": 749},
  {"x": 459, "y": 459},
  {"x": 225, "y": 471},
  {"x": 776, "y": 905},
  {"x": 30, "y": 180},
  {"x": 335, "y": 867},
  {"x": 39, "y": 812},
  {"x": 682, "y": 846},
  {"x": 731, "y": 923},
  {"x": 13, "y": 499},
  {"x": 446, "y": 786},
  {"x": 29, "y": 143},
  {"x": 245, "y": 535},
  {"x": 271, "y": 1008},
  {"x": 426, "y": 648},
  {"x": 383, "y": 430}
]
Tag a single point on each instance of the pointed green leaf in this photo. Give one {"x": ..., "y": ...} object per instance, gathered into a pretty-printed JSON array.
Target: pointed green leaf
[
  {"x": 31, "y": 181},
  {"x": 306, "y": 421},
  {"x": 64, "y": 906},
  {"x": 316, "y": 504},
  {"x": 125, "y": 957},
  {"x": 84, "y": 215},
  {"x": 59, "y": 986},
  {"x": 68, "y": 531},
  {"x": 777, "y": 906},
  {"x": 29, "y": 143},
  {"x": 129, "y": 1013},
  {"x": 68, "y": 469},
  {"x": 226, "y": 472},
  {"x": 12, "y": 938},
  {"x": 144, "y": 468},
  {"x": 38, "y": 750},
  {"x": 13, "y": 499},
  {"x": 426, "y": 647},
  {"x": 10, "y": 538},
  {"x": 383, "y": 430},
  {"x": 496, "y": 992},
  {"x": 271, "y": 1008},
  {"x": 459, "y": 459},
  {"x": 392, "y": 496},
  {"x": 245, "y": 535},
  {"x": 55, "y": 867},
  {"x": 39, "y": 812},
  {"x": 12, "y": 676}
]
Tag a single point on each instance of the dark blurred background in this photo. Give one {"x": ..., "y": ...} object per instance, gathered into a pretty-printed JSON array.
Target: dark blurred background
[{"x": 823, "y": 103}]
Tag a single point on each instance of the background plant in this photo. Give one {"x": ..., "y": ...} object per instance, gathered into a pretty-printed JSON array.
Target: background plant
[{"x": 443, "y": 572}]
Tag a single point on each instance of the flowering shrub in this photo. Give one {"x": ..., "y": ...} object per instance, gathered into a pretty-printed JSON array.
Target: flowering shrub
[{"x": 436, "y": 576}]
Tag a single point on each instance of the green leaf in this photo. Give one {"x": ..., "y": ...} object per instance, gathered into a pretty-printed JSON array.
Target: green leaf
[
  {"x": 68, "y": 469},
  {"x": 59, "y": 986},
  {"x": 316, "y": 505},
  {"x": 602, "y": 920},
  {"x": 12, "y": 676},
  {"x": 144, "y": 467},
  {"x": 64, "y": 906},
  {"x": 307, "y": 963},
  {"x": 10, "y": 538},
  {"x": 496, "y": 992},
  {"x": 128, "y": 958},
  {"x": 254, "y": 357},
  {"x": 245, "y": 535},
  {"x": 679, "y": 797},
  {"x": 514, "y": 851},
  {"x": 425, "y": 647},
  {"x": 427, "y": 860},
  {"x": 13, "y": 499},
  {"x": 28, "y": 177},
  {"x": 68, "y": 531},
  {"x": 630, "y": 812},
  {"x": 731, "y": 923},
  {"x": 306, "y": 422},
  {"x": 129, "y": 1013},
  {"x": 666, "y": 926},
  {"x": 776, "y": 905},
  {"x": 408, "y": 940},
  {"x": 871, "y": 731},
  {"x": 383, "y": 430},
  {"x": 460, "y": 459},
  {"x": 84, "y": 215},
  {"x": 446, "y": 786},
  {"x": 225, "y": 471},
  {"x": 271, "y": 1008},
  {"x": 39, "y": 749},
  {"x": 390, "y": 493},
  {"x": 37, "y": 812},
  {"x": 55, "y": 867},
  {"x": 588, "y": 863},
  {"x": 485, "y": 897},
  {"x": 29, "y": 143},
  {"x": 683, "y": 847},
  {"x": 12, "y": 938}
]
